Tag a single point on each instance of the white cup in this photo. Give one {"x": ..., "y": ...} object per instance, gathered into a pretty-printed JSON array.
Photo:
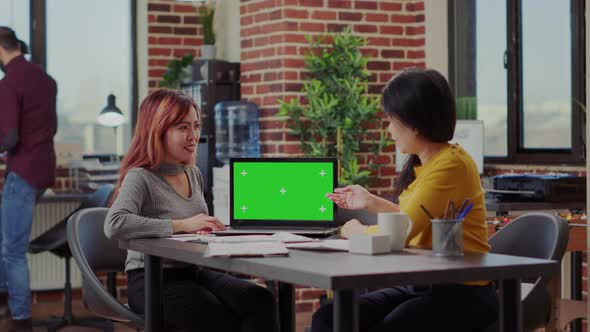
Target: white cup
[{"x": 397, "y": 226}]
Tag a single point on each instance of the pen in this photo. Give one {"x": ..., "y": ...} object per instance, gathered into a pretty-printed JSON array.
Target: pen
[
  {"x": 462, "y": 207},
  {"x": 426, "y": 211},
  {"x": 447, "y": 209},
  {"x": 466, "y": 211}
]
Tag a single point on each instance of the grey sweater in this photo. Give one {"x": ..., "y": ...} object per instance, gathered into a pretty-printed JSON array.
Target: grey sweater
[{"x": 146, "y": 206}]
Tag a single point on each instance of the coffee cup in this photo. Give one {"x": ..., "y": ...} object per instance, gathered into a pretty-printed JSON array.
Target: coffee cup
[{"x": 397, "y": 226}]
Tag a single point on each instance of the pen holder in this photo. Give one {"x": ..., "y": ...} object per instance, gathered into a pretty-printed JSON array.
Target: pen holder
[{"x": 447, "y": 237}]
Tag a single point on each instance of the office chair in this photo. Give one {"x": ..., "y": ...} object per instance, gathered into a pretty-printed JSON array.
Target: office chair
[
  {"x": 55, "y": 241},
  {"x": 534, "y": 235},
  {"x": 94, "y": 252}
]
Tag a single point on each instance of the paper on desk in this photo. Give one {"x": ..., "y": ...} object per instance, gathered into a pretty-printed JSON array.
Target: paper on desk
[
  {"x": 205, "y": 238},
  {"x": 325, "y": 245},
  {"x": 276, "y": 237},
  {"x": 246, "y": 249}
]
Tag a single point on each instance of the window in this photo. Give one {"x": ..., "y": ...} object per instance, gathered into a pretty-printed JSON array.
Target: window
[
  {"x": 89, "y": 54},
  {"x": 520, "y": 63},
  {"x": 15, "y": 14}
]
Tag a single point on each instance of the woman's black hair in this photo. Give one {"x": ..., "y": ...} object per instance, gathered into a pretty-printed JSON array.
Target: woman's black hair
[{"x": 420, "y": 99}]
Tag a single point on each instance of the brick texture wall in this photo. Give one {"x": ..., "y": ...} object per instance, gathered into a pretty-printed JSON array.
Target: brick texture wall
[
  {"x": 173, "y": 31},
  {"x": 273, "y": 44}
]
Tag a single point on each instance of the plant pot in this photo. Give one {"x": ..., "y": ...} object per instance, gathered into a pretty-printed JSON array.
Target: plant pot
[{"x": 208, "y": 52}]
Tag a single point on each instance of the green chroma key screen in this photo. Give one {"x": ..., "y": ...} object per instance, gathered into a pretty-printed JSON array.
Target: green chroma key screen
[{"x": 282, "y": 190}]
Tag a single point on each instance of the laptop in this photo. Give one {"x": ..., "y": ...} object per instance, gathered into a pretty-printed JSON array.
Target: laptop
[{"x": 269, "y": 195}]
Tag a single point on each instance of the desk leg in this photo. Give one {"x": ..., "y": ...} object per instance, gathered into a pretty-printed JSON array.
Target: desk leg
[
  {"x": 346, "y": 310},
  {"x": 153, "y": 294},
  {"x": 510, "y": 306},
  {"x": 286, "y": 307},
  {"x": 576, "y": 285}
]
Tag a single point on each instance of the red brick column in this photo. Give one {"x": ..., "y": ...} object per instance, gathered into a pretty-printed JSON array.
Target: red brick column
[
  {"x": 272, "y": 48},
  {"x": 173, "y": 31},
  {"x": 273, "y": 45}
]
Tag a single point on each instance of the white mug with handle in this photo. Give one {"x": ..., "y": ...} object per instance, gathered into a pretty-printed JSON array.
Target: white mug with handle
[{"x": 397, "y": 226}]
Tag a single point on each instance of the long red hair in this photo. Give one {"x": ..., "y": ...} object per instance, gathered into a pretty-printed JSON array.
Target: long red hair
[{"x": 160, "y": 110}]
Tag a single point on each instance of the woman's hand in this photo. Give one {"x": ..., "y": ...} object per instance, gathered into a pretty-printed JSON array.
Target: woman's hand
[
  {"x": 352, "y": 227},
  {"x": 200, "y": 222},
  {"x": 350, "y": 197}
]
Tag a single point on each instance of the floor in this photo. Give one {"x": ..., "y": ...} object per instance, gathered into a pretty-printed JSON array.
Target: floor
[{"x": 47, "y": 309}]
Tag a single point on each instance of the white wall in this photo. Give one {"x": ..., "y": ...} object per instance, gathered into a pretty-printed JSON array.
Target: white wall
[{"x": 437, "y": 46}]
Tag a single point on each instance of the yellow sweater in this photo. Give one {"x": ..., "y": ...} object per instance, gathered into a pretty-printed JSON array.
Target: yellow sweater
[{"x": 450, "y": 174}]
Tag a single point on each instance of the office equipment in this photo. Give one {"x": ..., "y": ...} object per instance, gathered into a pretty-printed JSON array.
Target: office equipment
[
  {"x": 268, "y": 195},
  {"x": 93, "y": 171},
  {"x": 447, "y": 237},
  {"x": 539, "y": 187}
]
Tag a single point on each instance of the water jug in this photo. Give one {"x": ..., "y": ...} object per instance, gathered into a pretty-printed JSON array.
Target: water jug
[{"x": 236, "y": 130}]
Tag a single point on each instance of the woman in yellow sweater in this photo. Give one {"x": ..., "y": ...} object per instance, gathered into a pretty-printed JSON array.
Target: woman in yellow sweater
[{"x": 420, "y": 108}]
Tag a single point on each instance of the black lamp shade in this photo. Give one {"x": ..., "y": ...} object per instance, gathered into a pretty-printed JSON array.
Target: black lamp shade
[{"x": 111, "y": 115}]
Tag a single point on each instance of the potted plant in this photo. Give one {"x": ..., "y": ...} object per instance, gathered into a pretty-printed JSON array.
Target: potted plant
[
  {"x": 177, "y": 72},
  {"x": 208, "y": 49},
  {"x": 333, "y": 122}
]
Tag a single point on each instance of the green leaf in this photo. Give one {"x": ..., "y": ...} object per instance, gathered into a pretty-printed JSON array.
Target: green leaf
[{"x": 337, "y": 97}]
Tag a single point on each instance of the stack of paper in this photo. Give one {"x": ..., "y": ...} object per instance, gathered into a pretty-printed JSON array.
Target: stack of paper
[
  {"x": 246, "y": 249},
  {"x": 283, "y": 237},
  {"x": 325, "y": 245}
]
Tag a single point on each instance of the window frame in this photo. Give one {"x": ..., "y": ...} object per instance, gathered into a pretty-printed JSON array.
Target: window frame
[
  {"x": 38, "y": 47},
  {"x": 516, "y": 152}
]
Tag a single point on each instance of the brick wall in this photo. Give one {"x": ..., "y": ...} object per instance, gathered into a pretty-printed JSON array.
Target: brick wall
[
  {"x": 173, "y": 31},
  {"x": 273, "y": 44},
  {"x": 272, "y": 48}
]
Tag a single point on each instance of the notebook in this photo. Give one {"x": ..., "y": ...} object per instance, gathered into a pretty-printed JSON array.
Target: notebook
[{"x": 269, "y": 195}]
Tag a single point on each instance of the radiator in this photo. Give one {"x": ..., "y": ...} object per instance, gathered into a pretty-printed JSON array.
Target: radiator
[{"x": 47, "y": 270}]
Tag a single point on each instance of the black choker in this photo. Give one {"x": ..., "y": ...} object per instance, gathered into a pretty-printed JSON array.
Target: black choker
[{"x": 170, "y": 169}]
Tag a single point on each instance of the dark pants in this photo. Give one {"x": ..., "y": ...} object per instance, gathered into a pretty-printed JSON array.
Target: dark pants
[
  {"x": 204, "y": 300},
  {"x": 407, "y": 308}
]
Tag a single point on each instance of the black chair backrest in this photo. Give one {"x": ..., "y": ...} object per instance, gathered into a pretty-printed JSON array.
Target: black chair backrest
[
  {"x": 534, "y": 235},
  {"x": 94, "y": 252},
  {"x": 101, "y": 253}
]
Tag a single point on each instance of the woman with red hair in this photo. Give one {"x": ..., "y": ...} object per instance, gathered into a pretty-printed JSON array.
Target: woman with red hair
[{"x": 160, "y": 193}]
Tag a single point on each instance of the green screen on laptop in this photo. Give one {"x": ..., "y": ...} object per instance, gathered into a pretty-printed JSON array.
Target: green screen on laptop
[{"x": 267, "y": 189}]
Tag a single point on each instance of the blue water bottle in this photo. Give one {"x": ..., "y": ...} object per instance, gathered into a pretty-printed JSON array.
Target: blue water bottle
[{"x": 236, "y": 130}]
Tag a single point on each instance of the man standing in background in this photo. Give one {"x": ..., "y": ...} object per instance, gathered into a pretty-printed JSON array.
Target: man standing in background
[{"x": 28, "y": 122}]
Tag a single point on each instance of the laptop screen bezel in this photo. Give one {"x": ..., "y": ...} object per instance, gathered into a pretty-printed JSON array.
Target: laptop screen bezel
[{"x": 282, "y": 223}]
